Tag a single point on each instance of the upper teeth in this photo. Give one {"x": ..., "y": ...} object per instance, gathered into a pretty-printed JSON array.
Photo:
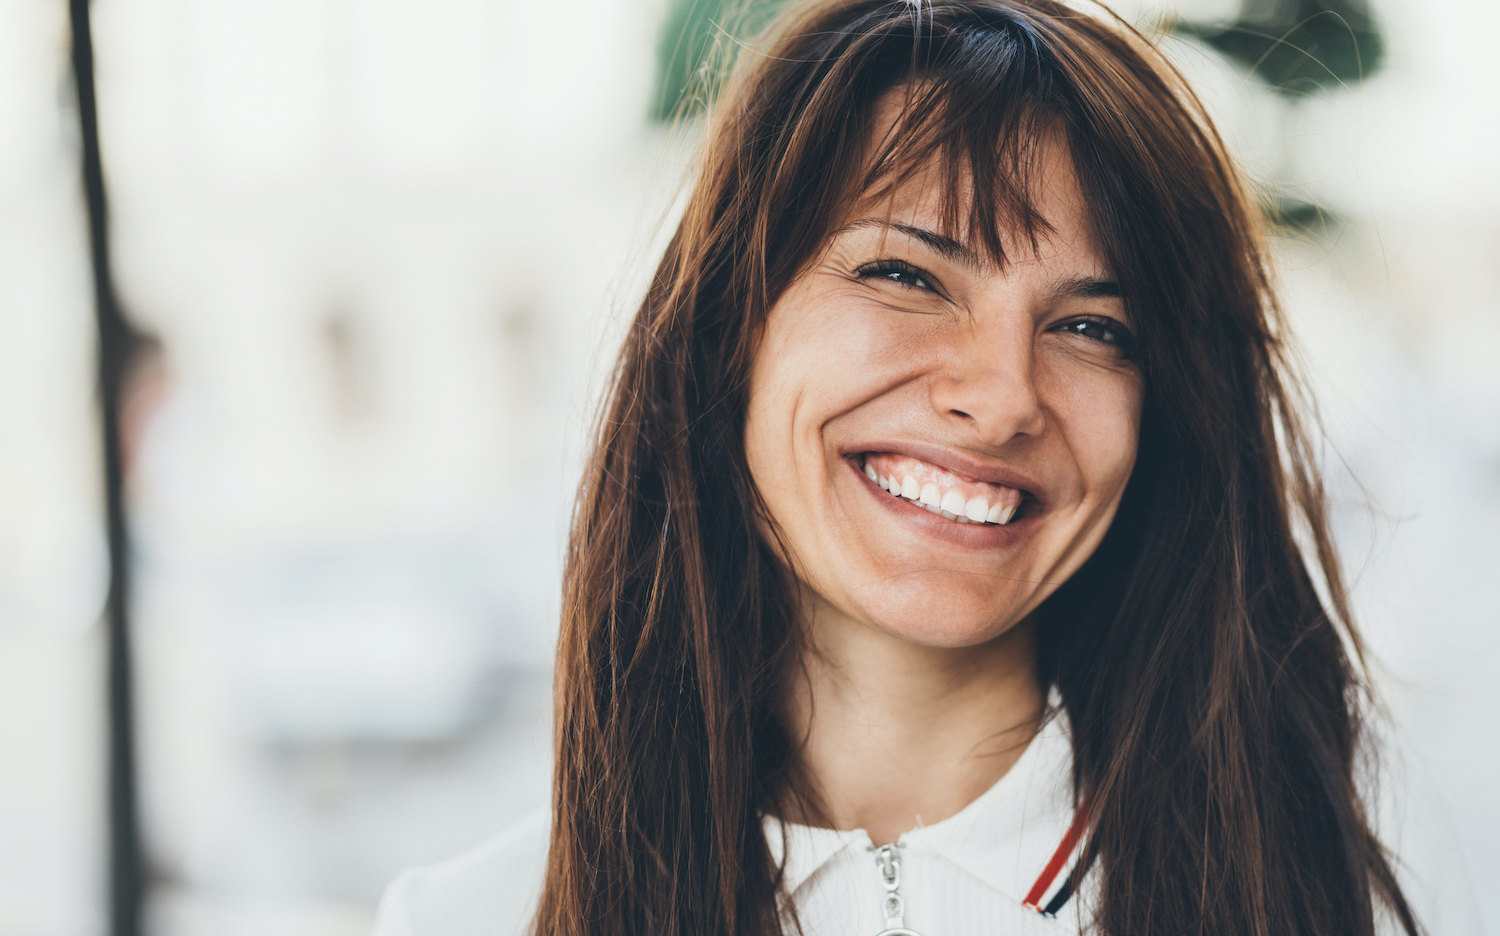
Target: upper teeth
[{"x": 950, "y": 504}]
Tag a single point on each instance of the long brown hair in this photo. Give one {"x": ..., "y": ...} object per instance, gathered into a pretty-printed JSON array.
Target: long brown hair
[{"x": 1206, "y": 662}]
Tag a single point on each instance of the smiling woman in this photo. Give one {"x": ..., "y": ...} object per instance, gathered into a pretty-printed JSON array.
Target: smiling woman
[
  {"x": 972, "y": 386},
  {"x": 936, "y": 567}
]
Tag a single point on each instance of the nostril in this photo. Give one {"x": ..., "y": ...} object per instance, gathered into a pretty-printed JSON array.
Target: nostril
[{"x": 961, "y": 413}]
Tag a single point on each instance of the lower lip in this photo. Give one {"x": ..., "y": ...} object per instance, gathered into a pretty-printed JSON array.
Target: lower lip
[{"x": 972, "y": 535}]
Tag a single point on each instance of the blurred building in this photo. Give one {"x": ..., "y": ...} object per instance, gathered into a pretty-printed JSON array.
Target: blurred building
[{"x": 387, "y": 249}]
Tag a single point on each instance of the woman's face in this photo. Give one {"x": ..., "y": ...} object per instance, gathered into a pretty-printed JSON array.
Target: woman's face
[{"x": 997, "y": 410}]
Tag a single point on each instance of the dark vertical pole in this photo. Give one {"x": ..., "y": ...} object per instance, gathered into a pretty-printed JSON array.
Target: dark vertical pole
[{"x": 116, "y": 344}]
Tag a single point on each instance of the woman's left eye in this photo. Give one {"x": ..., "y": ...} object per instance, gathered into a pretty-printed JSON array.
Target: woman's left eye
[{"x": 1100, "y": 329}]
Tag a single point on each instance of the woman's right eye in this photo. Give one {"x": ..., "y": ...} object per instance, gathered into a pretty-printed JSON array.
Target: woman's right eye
[{"x": 899, "y": 272}]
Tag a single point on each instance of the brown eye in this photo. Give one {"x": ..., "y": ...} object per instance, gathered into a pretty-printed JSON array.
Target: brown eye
[{"x": 1101, "y": 329}]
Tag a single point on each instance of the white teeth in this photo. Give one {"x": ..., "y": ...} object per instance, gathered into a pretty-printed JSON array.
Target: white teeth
[
  {"x": 1000, "y": 514},
  {"x": 951, "y": 505},
  {"x": 953, "y": 502}
]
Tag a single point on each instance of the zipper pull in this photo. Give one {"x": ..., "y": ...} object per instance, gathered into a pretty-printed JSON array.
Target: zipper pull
[{"x": 892, "y": 906}]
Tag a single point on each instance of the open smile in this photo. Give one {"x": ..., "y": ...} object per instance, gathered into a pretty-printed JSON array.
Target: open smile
[
  {"x": 939, "y": 491},
  {"x": 951, "y": 492}
]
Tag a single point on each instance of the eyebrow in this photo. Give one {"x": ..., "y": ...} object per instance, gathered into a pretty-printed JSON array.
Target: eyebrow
[
  {"x": 1086, "y": 287},
  {"x": 945, "y": 246}
]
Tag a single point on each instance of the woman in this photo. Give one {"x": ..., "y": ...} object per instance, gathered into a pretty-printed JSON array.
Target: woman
[{"x": 936, "y": 569}]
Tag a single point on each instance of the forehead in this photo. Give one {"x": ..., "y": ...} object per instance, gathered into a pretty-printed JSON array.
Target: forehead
[{"x": 1032, "y": 204}]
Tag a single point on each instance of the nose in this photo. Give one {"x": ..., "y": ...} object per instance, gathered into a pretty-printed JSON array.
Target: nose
[{"x": 991, "y": 391}]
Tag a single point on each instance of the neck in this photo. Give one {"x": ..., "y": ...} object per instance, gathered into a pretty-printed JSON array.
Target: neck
[{"x": 897, "y": 735}]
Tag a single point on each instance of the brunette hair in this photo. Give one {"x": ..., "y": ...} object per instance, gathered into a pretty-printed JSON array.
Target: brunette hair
[{"x": 1206, "y": 663}]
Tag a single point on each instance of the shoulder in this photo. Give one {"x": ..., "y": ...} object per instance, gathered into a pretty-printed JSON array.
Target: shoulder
[{"x": 491, "y": 889}]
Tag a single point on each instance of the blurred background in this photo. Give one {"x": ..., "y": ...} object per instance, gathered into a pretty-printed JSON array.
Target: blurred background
[{"x": 379, "y": 253}]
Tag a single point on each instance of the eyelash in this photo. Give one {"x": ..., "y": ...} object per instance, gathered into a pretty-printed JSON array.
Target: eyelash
[
  {"x": 891, "y": 269},
  {"x": 1114, "y": 333}
]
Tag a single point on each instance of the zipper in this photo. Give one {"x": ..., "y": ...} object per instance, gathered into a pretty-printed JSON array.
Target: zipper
[{"x": 892, "y": 905}]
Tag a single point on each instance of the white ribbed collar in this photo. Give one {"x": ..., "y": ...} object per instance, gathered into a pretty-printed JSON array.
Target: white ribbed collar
[{"x": 1004, "y": 838}]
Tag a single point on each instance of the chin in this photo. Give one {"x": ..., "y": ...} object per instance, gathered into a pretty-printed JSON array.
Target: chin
[{"x": 943, "y": 617}]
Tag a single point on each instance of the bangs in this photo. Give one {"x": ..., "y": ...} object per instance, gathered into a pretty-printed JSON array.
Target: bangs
[
  {"x": 980, "y": 98},
  {"x": 979, "y": 108}
]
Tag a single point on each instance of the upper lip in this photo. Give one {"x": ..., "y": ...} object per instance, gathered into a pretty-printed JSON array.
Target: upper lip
[{"x": 955, "y": 460}]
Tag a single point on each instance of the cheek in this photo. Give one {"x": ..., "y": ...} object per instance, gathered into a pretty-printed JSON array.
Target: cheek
[
  {"x": 1099, "y": 410},
  {"x": 786, "y": 385},
  {"x": 823, "y": 354}
]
